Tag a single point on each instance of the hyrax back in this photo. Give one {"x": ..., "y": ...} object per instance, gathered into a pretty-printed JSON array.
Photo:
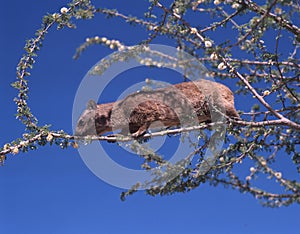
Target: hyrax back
[{"x": 181, "y": 104}]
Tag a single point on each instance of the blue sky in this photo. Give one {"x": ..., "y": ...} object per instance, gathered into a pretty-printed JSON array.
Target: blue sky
[{"x": 51, "y": 190}]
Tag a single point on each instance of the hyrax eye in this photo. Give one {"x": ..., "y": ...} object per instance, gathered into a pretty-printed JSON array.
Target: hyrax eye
[{"x": 102, "y": 119}]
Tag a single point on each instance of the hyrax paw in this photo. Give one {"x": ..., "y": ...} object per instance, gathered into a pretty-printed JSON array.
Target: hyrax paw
[{"x": 137, "y": 134}]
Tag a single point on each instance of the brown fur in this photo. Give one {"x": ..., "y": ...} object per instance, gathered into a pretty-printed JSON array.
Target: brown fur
[{"x": 171, "y": 106}]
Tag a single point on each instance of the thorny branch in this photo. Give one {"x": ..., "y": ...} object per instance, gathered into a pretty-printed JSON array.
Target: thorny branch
[
  {"x": 122, "y": 138},
  {"x": 278, "y": 19}
]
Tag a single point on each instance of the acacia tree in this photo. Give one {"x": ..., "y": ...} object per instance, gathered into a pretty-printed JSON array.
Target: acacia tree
[{"x": 259, "y": 56}]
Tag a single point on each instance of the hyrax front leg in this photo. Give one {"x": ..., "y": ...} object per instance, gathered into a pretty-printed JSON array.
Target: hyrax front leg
[{"x": 141, "y": 131}]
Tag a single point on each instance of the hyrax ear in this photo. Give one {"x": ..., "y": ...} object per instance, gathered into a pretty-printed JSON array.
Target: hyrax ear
[{"x": 91, "y": 105}]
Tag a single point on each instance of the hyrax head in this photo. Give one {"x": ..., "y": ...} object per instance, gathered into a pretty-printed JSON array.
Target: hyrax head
[
  {"x": 94, "y": 120},
  {"x": 86, "y": 122}
]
